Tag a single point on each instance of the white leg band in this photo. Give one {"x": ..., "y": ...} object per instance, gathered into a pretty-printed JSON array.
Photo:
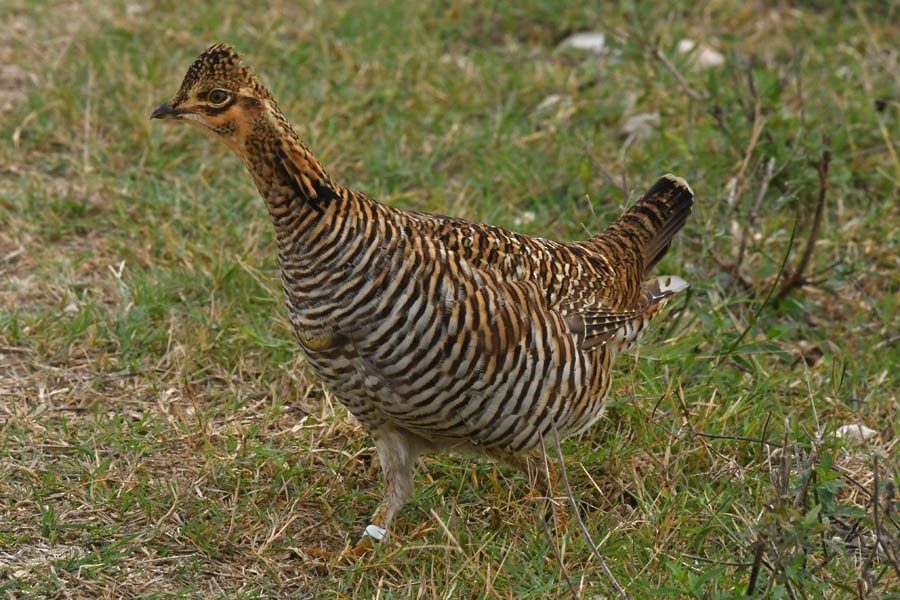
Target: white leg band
[{"x": 376, "y": 533}]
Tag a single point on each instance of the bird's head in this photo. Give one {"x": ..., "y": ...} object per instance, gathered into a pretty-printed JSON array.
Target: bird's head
[{"x": 220, "y": 97}]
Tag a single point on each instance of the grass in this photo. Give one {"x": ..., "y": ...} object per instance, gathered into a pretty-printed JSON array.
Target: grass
[{"x": 160, "y": 437}]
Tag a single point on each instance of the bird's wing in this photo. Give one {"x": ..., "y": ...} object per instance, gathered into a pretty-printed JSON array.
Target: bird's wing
[
  {"x": 597, "y": 324},
  {"x": 597, "y": 327}
]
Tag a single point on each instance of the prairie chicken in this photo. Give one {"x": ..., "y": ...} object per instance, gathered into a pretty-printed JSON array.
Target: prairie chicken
[{"x": 437, "y": 333}]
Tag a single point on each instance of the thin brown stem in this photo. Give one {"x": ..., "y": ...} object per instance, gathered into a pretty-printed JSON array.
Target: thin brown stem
[
  {"x": 753, "y": 214},
  {"x": 880, "y": 537},
  {"x": 795, "y": 277},
  {"x": 809, "y": 471},
  {"x": 546, "y": 530},
  {"x": 671, "y": 68},
  {"x": 578, "y": 519},
  {"x": 758, "y": 548}
]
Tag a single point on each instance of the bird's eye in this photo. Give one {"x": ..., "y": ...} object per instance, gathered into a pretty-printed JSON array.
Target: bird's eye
[{"x": 218, "y": 97}]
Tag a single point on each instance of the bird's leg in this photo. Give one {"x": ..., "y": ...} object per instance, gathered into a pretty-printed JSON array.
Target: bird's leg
[
  {"x": 548, "y": 483},
  {"x": 543, "y": 477},
  {"x": 398, "y": 452}
]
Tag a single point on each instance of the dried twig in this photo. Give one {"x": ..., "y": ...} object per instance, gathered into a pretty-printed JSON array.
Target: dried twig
[
  {"x": 758, "y": 125},
  {"x": 765, "y": 302},
  {"x": 737, "y": 438},
  {"x": 807, "y": 473},
  {"x": 605, "y": 173},
  {"x": 546, "y": 530},
  {"x": 758, "y": 547},
  {"x": 577, "y": 513},
  {"x": 562, "y": 566},
  {"x": 790, "y": 589},
  {"x": 795, "y": 277},
  {"x": 447, "y": 532},
  {"x": 671, "y": 68},
  {"x": 753, "y": 214},
  {"x": 887, "y": 548},
  {"x": 727, "y": 563},
  {"x": 783, "y": 478}
]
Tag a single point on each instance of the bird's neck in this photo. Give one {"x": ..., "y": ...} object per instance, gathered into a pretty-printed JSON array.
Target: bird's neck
[{"x": 297, "y": 190}]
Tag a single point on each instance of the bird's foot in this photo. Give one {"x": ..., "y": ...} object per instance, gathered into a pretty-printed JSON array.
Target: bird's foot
[
  {"x": 553, "y": 509},
  {"x": 560, "y": 518},
  {"x": 373, "y": 533}
]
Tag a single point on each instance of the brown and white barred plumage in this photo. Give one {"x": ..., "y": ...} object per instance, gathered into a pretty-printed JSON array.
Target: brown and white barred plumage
[{"x": 436, "y": 332}]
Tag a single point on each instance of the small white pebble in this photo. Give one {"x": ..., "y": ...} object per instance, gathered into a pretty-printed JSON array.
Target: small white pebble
[
  {"x": 640, "y": 127},
  {"x": 705, "y": 57},
  {"x": 556, "y": 107},
  {"x": 549, "y": 102},
  {"x": 523, "y": 218},
  {"x": 591, "y": 41},
  {"x": 686, "y": 45},
  {"x": 708, "y": 58},
  {"x": 855, "y": 432}
]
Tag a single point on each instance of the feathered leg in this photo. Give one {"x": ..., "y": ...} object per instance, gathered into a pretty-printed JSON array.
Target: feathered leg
[
  {"x": 543, "y": 477},
  {"x": 398, "y": 452}
]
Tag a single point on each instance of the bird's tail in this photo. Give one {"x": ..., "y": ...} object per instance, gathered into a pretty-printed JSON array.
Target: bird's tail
[{"x": 653, "y": 221}]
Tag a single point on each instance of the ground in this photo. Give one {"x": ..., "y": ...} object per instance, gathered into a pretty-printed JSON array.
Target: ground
[{"x": 160, "y": 436}]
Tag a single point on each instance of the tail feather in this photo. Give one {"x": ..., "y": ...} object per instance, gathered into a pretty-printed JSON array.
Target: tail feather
[
  {"x": 655, "y": 219},
  {"x": 660, "y": 289}
]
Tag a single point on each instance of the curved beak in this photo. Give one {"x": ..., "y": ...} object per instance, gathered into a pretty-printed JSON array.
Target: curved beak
[{"x": 164, "y": 111}]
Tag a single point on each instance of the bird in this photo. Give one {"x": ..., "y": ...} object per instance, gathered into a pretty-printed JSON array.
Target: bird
[{"x": 437, "y": 333}]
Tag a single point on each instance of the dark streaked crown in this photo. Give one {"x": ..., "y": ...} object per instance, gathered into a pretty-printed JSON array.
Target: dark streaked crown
[{"x": 220, "y": 66}]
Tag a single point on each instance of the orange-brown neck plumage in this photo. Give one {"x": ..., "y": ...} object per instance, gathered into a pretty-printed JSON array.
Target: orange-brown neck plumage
[{"x": 289, "y": 177}]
